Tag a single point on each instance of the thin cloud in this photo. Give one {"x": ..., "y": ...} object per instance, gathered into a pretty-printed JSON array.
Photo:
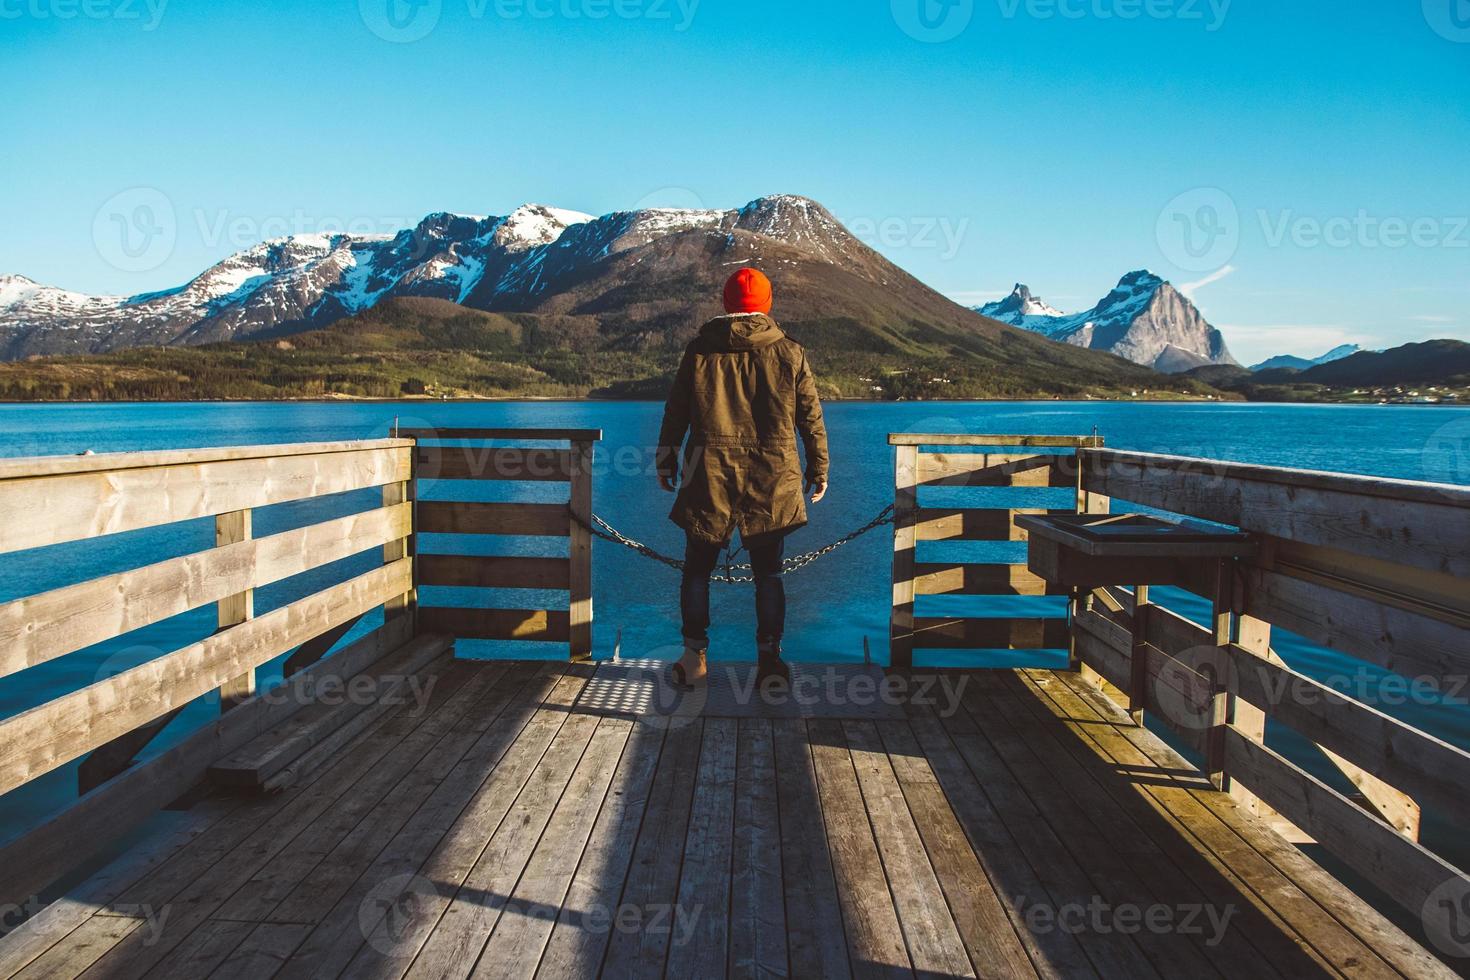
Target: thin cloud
[
  {"x": 1190, "y": 288},
  {"x": 1432, "y": 319}
]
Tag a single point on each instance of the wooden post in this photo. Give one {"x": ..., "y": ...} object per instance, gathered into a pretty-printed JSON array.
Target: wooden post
[
  {"x": 1221, "y": 630},
  {"x": 1087, "y": 503},
  {"x": 1253, "y": 636},
  {"x": 405, "y": 605},
  {"x": 1138, "y": 657},
  {"x": 581, "y": 552},
  {"x": 905, "y": 507},
  {"x": 233, "y": 528}
]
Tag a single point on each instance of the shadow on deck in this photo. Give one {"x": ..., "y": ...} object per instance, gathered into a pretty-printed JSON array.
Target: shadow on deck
[{"x": 552, "y": 820}]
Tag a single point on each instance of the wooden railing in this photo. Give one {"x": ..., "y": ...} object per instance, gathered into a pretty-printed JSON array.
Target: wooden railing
[
  {"x": 106, "y": 724},
  {"x": 52, "y": 501},
  {"x": 473, "y": 460},
  {"x": 1019, "y": 464},
  {"x": 1375, "y": 569}
]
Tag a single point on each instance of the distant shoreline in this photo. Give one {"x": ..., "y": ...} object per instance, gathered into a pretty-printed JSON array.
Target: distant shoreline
[{"x": 353, "y": 400}]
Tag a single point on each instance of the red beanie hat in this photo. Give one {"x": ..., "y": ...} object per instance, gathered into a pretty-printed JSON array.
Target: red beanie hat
[{"x": 748, "y": 291}]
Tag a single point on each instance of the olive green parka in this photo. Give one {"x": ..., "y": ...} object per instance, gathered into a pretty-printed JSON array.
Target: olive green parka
[{"x": 743, "y": 394}]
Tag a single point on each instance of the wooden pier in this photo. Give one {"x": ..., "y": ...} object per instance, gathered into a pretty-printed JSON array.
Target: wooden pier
[{"x": 517, "y": 819}]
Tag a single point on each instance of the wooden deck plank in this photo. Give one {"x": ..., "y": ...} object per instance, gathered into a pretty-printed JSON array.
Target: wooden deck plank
[
  {"x": 56, "y": 921},
  {"x": 933, "y": 941},
  {"x": 201, "y": 877},
  {"x": 578, "y": 941},
  {"x": 652, "y": 881},
  {"x": 1216, "y": 828},
  {"x": 1066, "y": 883},
  {"x": 1151, "y": 841},
  {"x": 83, "y": 947},
  {"x": 980, "y": 915},
  {"x": 430, "y": 858},
  {"x": 876, "y": 946},
  {"x": 1341, "y": 906},
  {"x": 519, "y": 938},
  {"x": 1168, "y": 792},
  {"x": 815, "y": 938},
  {"x": 757, "y": 906},
  {"x": 1122, "y": 883},
  {"x": 453, "y": 947},
  {"x": 511, "y": 831},
  {"x": 1053, "y": 952},
  {"x": 262, "y": 953},
  {"x": 202, "y": 951},
  {"x": 324, "y": 854},
  {"x": 699, "y": 945}
]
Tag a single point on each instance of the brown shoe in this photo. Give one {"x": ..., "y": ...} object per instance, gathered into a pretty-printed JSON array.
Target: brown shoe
[
  {"x": 691, "y": 669},
  {"x": 770, "y": 668}
]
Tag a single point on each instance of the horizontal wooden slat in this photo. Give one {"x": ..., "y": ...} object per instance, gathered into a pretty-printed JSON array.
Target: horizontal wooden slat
[
  {"x": 1403, "y": 869},
  {"x": 327, "y": 725},
  {"x": 74, "y": 834},
  {"x": 1421, "y": 525},
  {"x": 550, "y": 626},
  {"x": 1174, "y": 692},
  {"x": 39, "y": 628},
  {"x": 1434, "y": 772},
  {"x": 457, "y": 517},
  {"x": 1404, "y": 620},
  {"x": 48, "y": 510},
  {"x": 990, "y": 634},
  {"x": 495, "y": 573},
  {"x": 968, "y": 439},
  {"x": 494, "y": 463},
  {"x": 39, "y": 740},
  {"x": 995, "y": 470},
  {"x": 952, "y": 578},
  {"x": 24, "y": 467},
  {"x": 526, "y": 435},
  {"x": 971, "y": 524}
]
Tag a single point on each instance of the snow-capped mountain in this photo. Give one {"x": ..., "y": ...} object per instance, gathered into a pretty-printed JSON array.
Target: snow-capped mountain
[
  {"x": 1145, "y": 319},
  {"x": 537, "y": 259},
  {"x": 1295, "y": 363},
  {"x": 1019, "y": 306}
]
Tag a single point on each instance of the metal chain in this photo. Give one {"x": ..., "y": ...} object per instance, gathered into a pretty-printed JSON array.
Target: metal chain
[{"x": 607, "y": 532}]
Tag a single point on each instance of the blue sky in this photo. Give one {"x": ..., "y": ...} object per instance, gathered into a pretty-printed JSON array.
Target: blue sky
[{"x": 1301, "y": 163}]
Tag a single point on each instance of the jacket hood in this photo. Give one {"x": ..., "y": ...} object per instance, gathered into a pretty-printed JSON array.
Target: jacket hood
[{"x": 741, "y": 331}]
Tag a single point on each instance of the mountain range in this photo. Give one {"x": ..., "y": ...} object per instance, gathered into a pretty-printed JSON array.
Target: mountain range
[
  {"x": 1291, "y": 362},
  {"x": 1144, "y": 319},
  {"x": 629, "y": 288}
]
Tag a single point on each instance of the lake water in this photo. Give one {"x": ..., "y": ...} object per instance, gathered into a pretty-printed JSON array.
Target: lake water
[{"x": 834, "y": 604}]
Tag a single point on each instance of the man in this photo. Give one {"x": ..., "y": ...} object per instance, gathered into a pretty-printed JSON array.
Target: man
[{"x": 744, "y": 392}]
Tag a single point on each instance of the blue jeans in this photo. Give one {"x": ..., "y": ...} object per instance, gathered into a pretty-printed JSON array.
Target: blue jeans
[{"x": 700, "y": 560}]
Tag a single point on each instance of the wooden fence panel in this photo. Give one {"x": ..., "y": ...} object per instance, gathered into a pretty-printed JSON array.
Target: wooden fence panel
[
  {"x": 461, "y": 517},
  {"x": 48, "y": 736},
  {"x": 495, "y": 463},
  {"x": 1414, "y": 524},
  {"x": 51, "y": 624},
  {"x": 48, "y": 510}
]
